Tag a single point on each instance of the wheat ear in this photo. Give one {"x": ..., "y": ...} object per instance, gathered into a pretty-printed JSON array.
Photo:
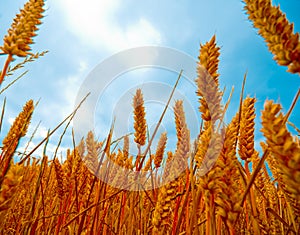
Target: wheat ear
[
  {"x": 139, "y": 118},
  {"x": 274, "y": 27},
  {"x": 11, "y": 141},
  {"x": 19, "y": 36},
  {"x": 285, "y": 149},
  {"x": 229, "y": 196},
  {"x": 160, "y": 150},
  {"x": 207, "y": 81},
  {"x": 246, "y": 138}
]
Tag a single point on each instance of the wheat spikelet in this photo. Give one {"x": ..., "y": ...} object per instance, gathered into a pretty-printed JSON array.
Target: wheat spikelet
[
  {"x": 139, "y": 118},
  {"x": 278, "y": 33},
  {"x": 10, "y": 205},
  {"x": 274, "y": 225},
  {"x": 67, "y": 167},
  {"x": 148, "y": 164},
  {"x": 11, "y": 141},
  {"x": 19, "y": 36},
  {"x": 210, "y": 98},
  {"x": 271, "y": 191},
  {"x": 19, "y": 126},
  {"x": 272, "y": 163},
  {"x": 283, "y": 147},
  {"x": 60, "y": 177},
  {"x": 203, "y": 144},
  {"x": 81, "y": 149},
  {"x": 246, "y": 152},
  {"x": 9, "y": 186},
  {"x": 209, "y": 58},
  {"x": 163, "y": 207},
  {"x": 86, "y": 194},
  {"x": 261, "y": 181},
  {"x": 170, "y": 157},
  {"x": 207, "y": 81},
  {"x": 126, "y": 146},
  {"x": 174, "y": 166},
  {"x": 91, "y": 159},
  {"x": 208, "y": 149},
  {"x": 110, "y": 167},
  {"x": 177, "y": 162},
  {"x": 229, "y": 196},
  {"x": 68, "y": 164},
  {"x": 121, "y": 159},
  {"x": 77, "y": 165},
  {"x": 19, "y": 207},
  {"x": 160, "y": 150},
  {"x": 246, "y": 138},
  {"x": 209, "y": 173},
  {"x": 116, "y": 172},
  {"x": 183, "y": 134},
  {"x": 128, "y": 163}
]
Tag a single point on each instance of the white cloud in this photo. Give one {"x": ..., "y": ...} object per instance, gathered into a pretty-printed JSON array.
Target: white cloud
[
  {"x": 70, "y": 86},
  {"x": 83, "y": 66},
  {"x": 67, "y": 88},
  {"x": 11, "y": 120},
  {"x": 40, "y": 133},
  {"x": 51, "y": 148},
  {"x": 94, "y": 22}
]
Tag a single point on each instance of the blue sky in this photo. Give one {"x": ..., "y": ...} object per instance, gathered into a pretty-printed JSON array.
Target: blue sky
[{"x": 81, "y": 34}]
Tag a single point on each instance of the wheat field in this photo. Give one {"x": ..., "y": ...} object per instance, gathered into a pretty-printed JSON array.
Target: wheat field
[{"x": 217, "y": 184}]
